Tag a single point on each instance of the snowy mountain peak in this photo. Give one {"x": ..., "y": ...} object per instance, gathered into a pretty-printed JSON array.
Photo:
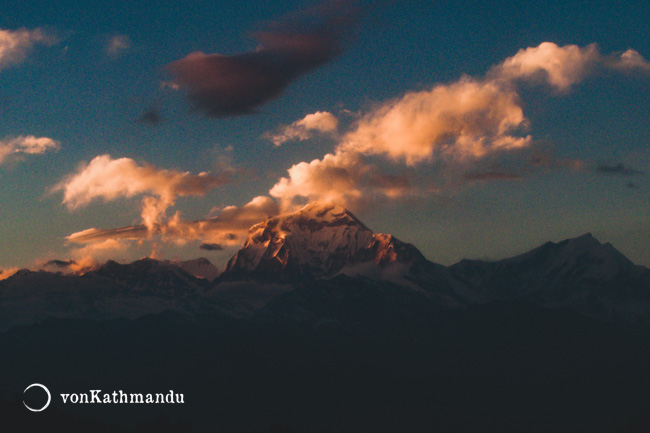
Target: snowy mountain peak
[
  {"x": 582, "y": 244},
  {"x": 585, "y": 252},
  {"x": 317, "y": 240},
  {"x": 581, "y": 273}
]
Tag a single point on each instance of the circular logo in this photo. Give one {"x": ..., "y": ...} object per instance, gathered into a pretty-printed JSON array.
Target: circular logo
[{"x": 47, "y": 391}]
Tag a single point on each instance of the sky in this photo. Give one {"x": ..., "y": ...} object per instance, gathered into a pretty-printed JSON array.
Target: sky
[{"x": 166, "y": 129}]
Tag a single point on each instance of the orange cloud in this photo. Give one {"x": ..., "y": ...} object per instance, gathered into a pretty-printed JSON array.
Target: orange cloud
[
  {"x": 26, "y": 144},
  {"x": 110, "y": 179},
  {"x": 303, "y": 129},
  {"x": 465, "y": 119},
  {"x": 452, "y": 129},
  {"x": 16, "y": 45},
  {"x": 342, "y": 177},
  {"x": 334, "y": 178},
  {"x": 230, "y": 227},
  {"x": 561, "y": 67},
  {"x": 7, "y": 273},
  {"x": 630, "y": 60}
]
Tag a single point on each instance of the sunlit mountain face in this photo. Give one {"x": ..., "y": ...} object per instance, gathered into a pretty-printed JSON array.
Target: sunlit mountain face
[{"x": 325, "y": 216}]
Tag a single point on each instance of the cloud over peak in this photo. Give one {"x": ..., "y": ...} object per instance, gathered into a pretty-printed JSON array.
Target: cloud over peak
[{"x": 230, "y": 227}]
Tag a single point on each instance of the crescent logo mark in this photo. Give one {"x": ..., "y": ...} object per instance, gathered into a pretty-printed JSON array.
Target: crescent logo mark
[{"x": 49, "y": 397}]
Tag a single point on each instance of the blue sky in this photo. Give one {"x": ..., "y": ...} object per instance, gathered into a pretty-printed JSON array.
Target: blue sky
[{"x": 86, "y": 75}]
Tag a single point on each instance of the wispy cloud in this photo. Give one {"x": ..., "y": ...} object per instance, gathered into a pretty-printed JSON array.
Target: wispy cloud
[
  {"x": 230, "y": 227},
  {"x": 304, "y": 129},
  {"x": 93, "y": 254},
  {"x": 630, "y": 60},
  {"x": 227, "y": 85},
  {"x": 26, "y": 144},
  {"x": 60, "y": 263},
  {"x": 15, "y": 45},
  {"x": 546, "y": 160}
]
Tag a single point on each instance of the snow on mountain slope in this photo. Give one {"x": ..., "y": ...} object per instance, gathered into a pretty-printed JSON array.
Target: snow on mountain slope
[
  {"x": 581, "y": 273},
  {"x": 114, "y": 290},
  {"x": 317, "y": 240},
  {"x": 322, "y": 263}
]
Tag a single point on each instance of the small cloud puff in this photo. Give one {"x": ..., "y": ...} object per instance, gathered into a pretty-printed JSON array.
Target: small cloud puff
[
  {"x": 26, "y": 144},
  {"x": 117, "y": 45},
  {"x": 303, "y": 129}
]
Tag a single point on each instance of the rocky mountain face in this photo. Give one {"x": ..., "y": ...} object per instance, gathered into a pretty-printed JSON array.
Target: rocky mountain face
[
  {"x": 315, "y": 241},
  {"x": 327, "y": 247}
]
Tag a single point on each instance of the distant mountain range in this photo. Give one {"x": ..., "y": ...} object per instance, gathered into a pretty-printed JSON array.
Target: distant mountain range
[
  {"x": 318, "y": 325},
  {"x": 293, "y": 264}
]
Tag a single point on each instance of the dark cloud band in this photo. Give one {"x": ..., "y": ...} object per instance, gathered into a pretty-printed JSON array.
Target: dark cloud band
[
  {"x": 222, "y": 85},
  {"x": 617, "y": 170}
]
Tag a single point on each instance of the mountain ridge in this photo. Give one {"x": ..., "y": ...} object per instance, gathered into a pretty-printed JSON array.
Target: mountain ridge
[{"x": 293, "y": 262}]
